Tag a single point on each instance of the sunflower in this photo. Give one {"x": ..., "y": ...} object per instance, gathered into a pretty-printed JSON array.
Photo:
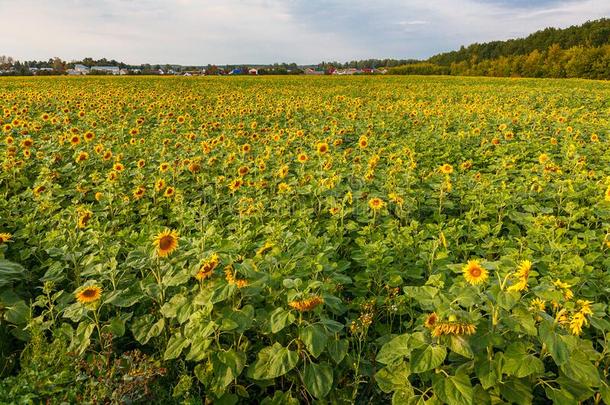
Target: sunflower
[
  {"x": 89, "y": 294},
  {"x": 522, "y": 274},
  {"x": 169, "y": 192},
  {"x": 74, "y": 140},
  {"x": 363, "y": 142},
  {"x": 235, "y": 184},
  {"x": 159, "y": 185},
  {"x": 302, "y": 158},
  {"x": 446, "y": 169},
  {"x": 141, "y": 163},
  {"x": 376, "y": 203},
  {"x": 119, "y": 167},
  {"x": 82, "y": 156},
  {"x": 322, "y": 147},
  {"x": 431, "y": 320},
  {"x": 89, "y": 136},
  {"x": 474, "y": 273},
  {"x": 163, "y": 167},
  {"x": 245, "y": 148},
  {"x": 166, "y": 242},
  {"x": 453, "y": 328},
  {"x": 5, "y": 237},
  {"x": 207, "y": 268},
  {"x": 466, "y": 165},
  {"x": 242, "y": 171},
  {"x": 607, "y": 195},
  {"x": 83, "y": 218},
  {"x": 265, "y": 248},
  {"x": 139, "y": 192},
  {"x": 282, "y": 171},
  {"x": 39, "y": 189},
  {"x": 306, "y": 304},
  {"x": 27, "y": 143},
  {"x": 107, "y": 155}
]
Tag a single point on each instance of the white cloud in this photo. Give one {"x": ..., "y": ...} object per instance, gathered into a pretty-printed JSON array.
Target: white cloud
[{"x": 266, "y": 31}]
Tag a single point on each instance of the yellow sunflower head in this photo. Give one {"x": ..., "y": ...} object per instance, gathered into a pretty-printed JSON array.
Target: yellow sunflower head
[
  {"x": 376, "y": 203},
  {"x": 474, "y": 273},
  {"x": 89, "y": 294},
  {"x": 166, "y": 242}
]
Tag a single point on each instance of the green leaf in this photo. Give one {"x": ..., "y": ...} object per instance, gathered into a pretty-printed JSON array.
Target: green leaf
[
  {"x": 337, "y": 349},
  {"x": 272, "y": 362},
  {"x": 394, "y": 377},
  {"x": 517, "y": 391},
  {"x": 559, "y": 396},
  {"x": 315, "y": 339},
  {"x": 395, "y": 349},
  {"x": 460, "y": 345},
  {"x": 318, "y": 379},
  {"x": 170, "y": 308},
  {"x": 428, "y": 358},
  {"x": 488, "y": 372},
  {"x": 226, "y": 367},
  {"x": 280, "y": 318},
  {"x": 555, "y": 345},
  {"x": 580, "y": 369},
  {"x": 82, "y": 338},
  {"x": 144, "y": 329},
  {"x": 406, "y": 397},
  {"x": 519, "y": 363},
  {"x": 175, "y": 345},
  {"x": 199, "y": 349},
  {"x": 10, "y": 272},
  {"x": 453, "y": 390}
]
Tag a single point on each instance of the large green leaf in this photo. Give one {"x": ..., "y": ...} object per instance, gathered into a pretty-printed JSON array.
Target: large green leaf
[
  {"x": 144, "y": 328},
  {"x": 315, "y": 339},
  {"x": 394, "y": 377},
  {"x": 10, "y": 272},
  {"x": 580, "y": 369},
  {"x": 280, "y": 318},
  {"x": 318, "y": 379},
  {"x": 430, "y": 357},
  {"x": 453, "y": 390},
  {"x": 395, "y": 349},
  {"x": 555, "y": 345},
  {"x": 519, "y": 363},
  {"x": 175, "y": 346},
  {"x": 272, "y": 362}
]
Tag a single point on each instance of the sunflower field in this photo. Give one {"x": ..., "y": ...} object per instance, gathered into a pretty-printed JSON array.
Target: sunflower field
[{"x": 300, "y": 240}]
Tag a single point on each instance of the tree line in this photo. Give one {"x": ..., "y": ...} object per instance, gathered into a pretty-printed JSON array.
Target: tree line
[{"x": 579, "y": 51}]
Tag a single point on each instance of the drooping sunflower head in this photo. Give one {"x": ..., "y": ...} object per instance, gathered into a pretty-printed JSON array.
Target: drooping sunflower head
[
  {"x": 166, "y": 242},
  {"x": 5, "y": 237},
  {"x": 474, "y": 273},
  {"x": 89, "y": 294}
]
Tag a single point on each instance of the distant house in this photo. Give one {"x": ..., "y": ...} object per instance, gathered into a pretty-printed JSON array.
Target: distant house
[
  {"x": 235, "y": 72},
  {"x": 310, "y": 71},
  {"x": 80, "y": 69},
  {"x": 253, "y": 71},
  {"x": 123, "y": 72},
  {"x": 107, "y": 69}
]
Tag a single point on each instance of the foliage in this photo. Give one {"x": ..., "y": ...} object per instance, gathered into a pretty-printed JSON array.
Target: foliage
[{"x": 292, "y": 239}]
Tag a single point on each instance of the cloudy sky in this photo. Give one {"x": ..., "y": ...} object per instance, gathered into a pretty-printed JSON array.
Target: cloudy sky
[{"x": 266, "y": 31}]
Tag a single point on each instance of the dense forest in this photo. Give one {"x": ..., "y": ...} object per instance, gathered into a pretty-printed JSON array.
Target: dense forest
[{"x": 578, "y": 51}]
